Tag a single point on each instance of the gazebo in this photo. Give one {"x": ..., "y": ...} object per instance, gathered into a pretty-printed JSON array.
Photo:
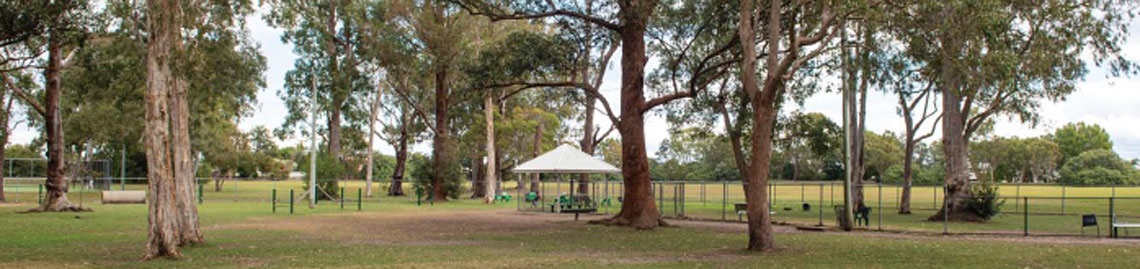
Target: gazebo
[{"x": 564, "y": 160}]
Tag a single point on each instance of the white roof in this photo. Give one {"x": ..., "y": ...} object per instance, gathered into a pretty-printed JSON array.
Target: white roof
[{"x": 566, "y": 160}]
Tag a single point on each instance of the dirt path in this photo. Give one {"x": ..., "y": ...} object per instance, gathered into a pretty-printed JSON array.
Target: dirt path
[{"x": 444, "y": 227}]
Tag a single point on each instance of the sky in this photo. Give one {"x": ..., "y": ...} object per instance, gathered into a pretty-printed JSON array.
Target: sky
[{"x": 1113, "y": 103}]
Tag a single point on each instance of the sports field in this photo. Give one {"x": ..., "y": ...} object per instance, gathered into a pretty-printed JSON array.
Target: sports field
[{"x": 467, "y": 234}]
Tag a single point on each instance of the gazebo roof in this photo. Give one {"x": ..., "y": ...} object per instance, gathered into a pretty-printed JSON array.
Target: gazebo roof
[{"x": 566, "y": 160}]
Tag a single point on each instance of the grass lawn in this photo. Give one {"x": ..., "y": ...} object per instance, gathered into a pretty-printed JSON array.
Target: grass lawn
[{"x": 468, "y": 234}]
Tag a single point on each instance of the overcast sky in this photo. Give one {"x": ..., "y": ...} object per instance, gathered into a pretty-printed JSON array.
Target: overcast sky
[{"x": 1114, "y": 103}]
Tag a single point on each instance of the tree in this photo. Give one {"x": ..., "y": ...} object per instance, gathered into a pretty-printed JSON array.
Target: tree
[
  {"x": 163, "y": 85},
  {"x": 809, "y": 139},
  {"x": 1076, "y": 138},
  {"x": 908, "y": 107},
  {"x": 633, "y": 18},
  {"x": 1043, "y": 159},
  {"x": 882, "y": 152},
  {"x": 997, "y": 58},
  {"x": 49, "y": 27},
  {"x": 325, "y": 36},
  {"x": 1098, "y": 167}
]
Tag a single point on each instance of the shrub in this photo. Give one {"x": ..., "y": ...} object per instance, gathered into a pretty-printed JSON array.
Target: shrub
[
  {"x": 329, "y": 170},
  {"x": 985, "y": 201}
]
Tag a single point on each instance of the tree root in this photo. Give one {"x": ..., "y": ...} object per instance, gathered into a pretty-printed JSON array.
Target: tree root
[
  {"x": 622, "y": 222},
  {"x": 957, "y": 216},
  {"x": 69, "y": 208}
]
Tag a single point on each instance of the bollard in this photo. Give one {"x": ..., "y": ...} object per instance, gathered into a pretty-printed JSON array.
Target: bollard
[
  {"x": 342, "y": 198},
  {"x": 290, "y": 201},
  {"x": 358, "y": 196},
  {"x": 273, "y": 199}
]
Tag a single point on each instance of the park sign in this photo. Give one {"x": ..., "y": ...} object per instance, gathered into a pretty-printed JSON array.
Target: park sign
[{"x": 566, "y": 160}]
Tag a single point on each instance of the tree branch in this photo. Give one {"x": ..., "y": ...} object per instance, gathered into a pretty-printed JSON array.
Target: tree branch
[
  {"x": 495, "y": 15},
  {"x": 23, "y": 95}
]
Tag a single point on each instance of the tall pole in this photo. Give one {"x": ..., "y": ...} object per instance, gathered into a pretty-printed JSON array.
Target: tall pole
[{"x": 313, "y": 147}]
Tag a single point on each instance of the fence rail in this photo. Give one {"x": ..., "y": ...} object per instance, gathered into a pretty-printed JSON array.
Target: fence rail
[{"x": 1028, "y": 209}]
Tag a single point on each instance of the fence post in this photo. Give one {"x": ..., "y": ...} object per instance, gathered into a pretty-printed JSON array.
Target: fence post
[
  {"x": 1025, "y": 215},
  {"x": 771, "y": 194},
  {"x": 358, "y": 200},
  {"x": 945, "y": 213},
  {"x": 236, "y": 189},
  {"x": 1016, "y": 196},
  {"x": 724, "y": 202},
  {"x": 199, "y": 193},
  {"x": 702, "y": 192},
  {"x": 934, "y": 191},
  {"x": 675, "y": 191},
  {"x": 1111, "y": 216},
  {"x": 273, "y": 198},
  {"x": 880, "y": 205},
  {"x": 802, "y": 193},
  {"x": 1063, "y": 198},
  {"x": 290, "y": 201},
  {"x": 660, "y": 199},
  {"x": 41, "y": 195},
  {"x": 342, "y": 198},
  {"x": 831, "y": 192},
  {"x": 820, "y": 204}
]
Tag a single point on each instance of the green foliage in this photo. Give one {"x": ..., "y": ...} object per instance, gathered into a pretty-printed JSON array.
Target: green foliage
[
  {"x": 694, "y": 154},
  {"x": 985, "y": 201},
  {"x": 880, "y": 152},
  {"x": 329, "y": 170},
  {"x": 1098, "y": 167},
  {"x": 1076, "y": 138},
  {"x": 919, "y": 176},
  {"x": 422, "y": 173}
]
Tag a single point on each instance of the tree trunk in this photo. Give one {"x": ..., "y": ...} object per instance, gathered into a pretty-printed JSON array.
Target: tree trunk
[
  {"x": 371, "y": 137},
  {"x": 183, "y": 165},
  {"x": 587, "y": 142},
  {"x": 334, "y": 79},
  {"x": 162, "y": 226},
  {"x": 756, "y": 184},
  {"x": 908, "y": 161},
  {"x": 4, "y": 119},
  {"x": 441, "y": 150},
  {"x": 478, "y": 188},
  {"x": 954, "y": 146},
  {"x": 397, "y": 187},
  {"x": 638, "y": 209},
  {"x": 535, "y": 184},
  {"x": 56, "y": 184},
  {"x": 489, "y": 179}
]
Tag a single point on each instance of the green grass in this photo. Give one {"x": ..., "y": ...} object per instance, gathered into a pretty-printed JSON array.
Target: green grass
[
  {"x": 1046, "y": 213},
  {"x": 247, "y": 235}
]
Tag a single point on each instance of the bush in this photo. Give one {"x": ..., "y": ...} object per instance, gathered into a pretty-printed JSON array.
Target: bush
[
  {"x": 329, "y": 170},
  {"x": 1098, "y": 167},
  {"x": 984, "y": 201},
  {"x": 422, "y": 174}
]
